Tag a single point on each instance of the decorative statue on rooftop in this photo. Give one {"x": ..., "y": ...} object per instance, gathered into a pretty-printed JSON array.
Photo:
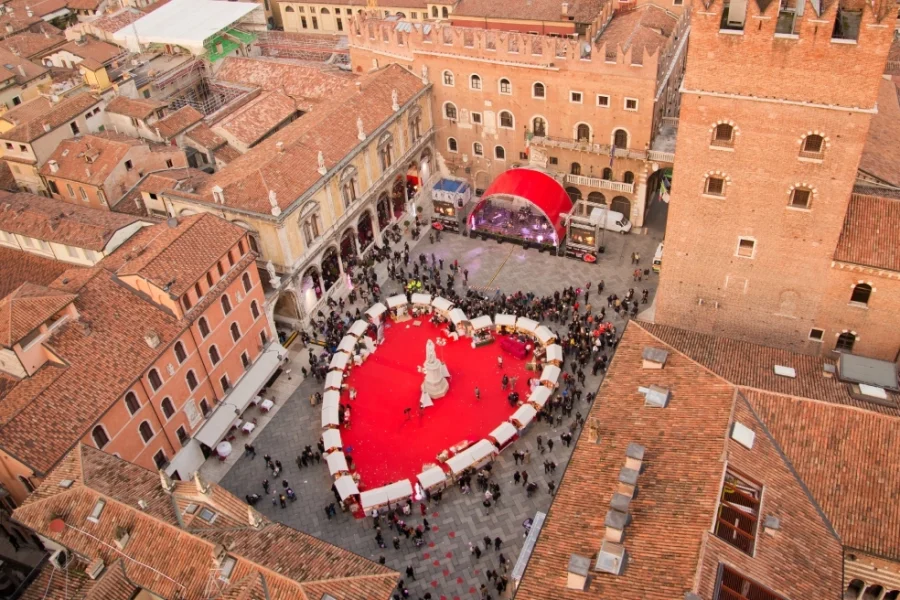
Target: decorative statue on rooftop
[
  {"x": 274, "y": 279},
  {"x": 322, "y": 168},
  {"x": 360, "y": 130},
  {"x": 425, "y": 74},
  {"x": 395, "y": 100}
]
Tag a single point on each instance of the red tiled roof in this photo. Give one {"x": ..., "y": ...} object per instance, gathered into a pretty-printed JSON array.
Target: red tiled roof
[
  {"x": 83, "y": 4},
  {"x": 227, "y": 153},
  {"x": 26, "y": 308},
  {"x": 60, "y": 222},
  {"x": 869, "y": 235},
  {"x": 202, "y": 135},
  {"x": 178, "y": 121},
  {"x": 29, "y": 44},
  {"x": 94, "y": 52},
  {"x": 253, "y": 121},
  {"x": 881, "y": 155},
  {"x": 55, "y": 115},
  {"x": 89, "y": 159},
  {"x": 644, "y": 29},
  {"x": 172, "y": 553},
  {"x": 139, "y": 108},
  {"x": 23, "y": 69},
  {"x": 309, "y": 81},
  {"x": 18, "y": 267},
  {"x": 583, "y": 11},
  {"x": 118, "y": 20}
]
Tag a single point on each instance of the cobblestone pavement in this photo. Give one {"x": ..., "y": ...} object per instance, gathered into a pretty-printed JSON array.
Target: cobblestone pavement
[{"x": 444, "y": 566}]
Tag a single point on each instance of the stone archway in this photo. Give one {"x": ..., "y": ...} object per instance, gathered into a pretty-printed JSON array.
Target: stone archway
[
  {"x": 348, "y": 245},
  {"x": 331, "y": 268},
  {"x": 398, "y": 197},
  {"x": 365, "y": 232},
  {"x": 574, "y": 193},
  {"x": 621, "y": 204},
  {"x": 383, "y": 209},
  {"x": 596, "y": 198},
  {"x": 310, "y": 288},
  {"x": 287, "y": 308}
]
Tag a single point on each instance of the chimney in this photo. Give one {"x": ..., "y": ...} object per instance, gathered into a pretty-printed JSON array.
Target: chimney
[
  {"x": 828, "y": 370},
  {"x": 95, "y": 569},
  {"x": 654, "y": 358},
  {"x": 22, "y": 71},
  {"x": 167, "y": 484},
  {"x": 54, "y": 166},
  {"x": 279, "y": 146},
  {"x": 218, "y": 195},
  {"x": 202, "y": 486},
  {"x": 565, "y": 9},
  {"x": 122, "y": 537},
  {"x": 254, "y": 518},
  {"x": 359, "y": 87},
  {"x": 579, "y": 567},
  {"x": 219, "y": 48},
  {"x": 615, "y": 526},
  {"x": 152, "y": 339},
  {"x": 47, "y": 127},
  {"x": 627, "y": 482},
  {"x": 28, "y": 11},
  {"x": 772, "y": 525},
  {"x": 634, "y": 456},
  {"x": 9, "y": 28}
]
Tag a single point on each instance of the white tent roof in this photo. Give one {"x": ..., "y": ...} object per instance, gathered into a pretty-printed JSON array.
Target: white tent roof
[
  {"x": 544, "y": 335},
  {"x": 442, "y": 304},
  {"x": 550, "y": 373},
  {"x": 376, "y": 310},
  {"x": 339, "y": 361},
  {"x": 421, "y": 299},
  {"x": 337, "y": 462},
  {"x": 506, "y": 320},
  {"x": 346, "y": 487},
  {"x": 554, "y": 352},
  {"x": 503, "y": 433},
  {"x": 540, "y": 395},
  {"x": 399, "y": 490},
  {"x": 482, "y": 449},
  {"x": 373, "y": 498},
  {"x": 358, "y": 328},
  {"x": 330, "y": 416},
  {"x": 524, "y": 415},
  {"x": 457, "y": 316},
  {"x": 525, "y": 324},
  {"x": 332, "y": 439},
  {"x": 431, "y": 477},
  {"x": 460, "y": 462},
  {"x": 331, "y": 397},
  {"x": 333, "y": 380},
  {"x": 348, "y": 344},
  {"x": 187, "y": 23},
  {"x": 482, "y": 322},
  {"x": 398, "y": 300}
]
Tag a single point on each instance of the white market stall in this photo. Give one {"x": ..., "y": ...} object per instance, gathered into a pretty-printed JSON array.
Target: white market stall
[
  {"x": 523, "y": 417},
  {"x": 373, "y": 499},
  {"x": 480, "y": 330},
  {"x": 346, "y": 487},
  {"x": 376, "y": 312},
  {"x": 339, "y": 361},
  {"x": 348, "y": 344},
  {"x": 503, "y": 434},
  {"x": 505, "y": 323},
  {"x": 397, "y": 305},
  {"x": 482, "y": 452},
  {"x": 550, "y": 375},
  {"x": 331, "y": 397},
  {"x": 399, "y": 490},
  {"x": 544, "y": 335},
  {"x": 555, "y": 354},
  {"x": 421, "y": 304},
  {"x": 482, "y": 322},
  {"x": 442, "y": 307},
  {"x": 330, "y": 416},
  {"x": 526, "y": 325},
  {"x": 460, "y": 462},
  {"x": 539, "y": 396},
  {"x": 458, "y": 318},
  {"x": 433, "y": 478},
  {"x": 332, "y": 440},
  {"x": 358, "y": 328},
  {"x": 334, "y": 380},
  {"x": 337, "y": 463}
]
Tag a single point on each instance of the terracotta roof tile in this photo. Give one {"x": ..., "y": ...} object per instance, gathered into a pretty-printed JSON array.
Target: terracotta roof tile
[
  {"x": 253, "y": 121},
  {"x": 27, "y": 308},
  {"x": 178, "y": 121},
  {"x": 29, "y": 44},
  {"x": 118, "y": 20},
  {"x": 44, "y": 112},
  {"x": 300, "y": 80},
  {"x": 227, "y": 153},
  {"x": 869, "y": 236},
  {"x": 584, "y": 11},
  {"x": 644, "y": 29},
  {"x": 881, "y": 156},
  {"x": 83, "y": 4},
  {"x": 23, "y": 69},
  {"x": 18, "y": 267},
  {"x": 139, "y": 108},
  {"x": 56, "y": 221},
  {"x": 206, "y": 137},
  {"x": 89, "y": 159},
  {"x": 95, "y": 53}
]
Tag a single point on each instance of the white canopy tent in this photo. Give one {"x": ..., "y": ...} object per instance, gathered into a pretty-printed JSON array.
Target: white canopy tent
[
  {"x": 376, "y": 310},
  {"x": 348, "y": 344},
  {"x": 373, "y": 498},
  {"x": 540, "y": 395},
  {"x": 431, "y": 477},
  {"x": 505, "y": 320},
  {"x": 358, "y": 328},
  {"x": 457, "y": 316},
  {"x": 399, "y": 490},
  {"x": 346, "y": 487},
  {"x": 397, "y": 301},
  {"x": 460, "y": 462},
  {"x": 481, "y": 450},
  {"x": 503, "y": 433},
  {"x": 482, "y": 322},
  {"x": 331, "y": 397},
  {"x": 332, "y": 439},
  {"x": 554, "y": 353},
  {"x": 334, "y": 380},
  {"x": 550, "y": 374},
  {"x": 337, "y": 463},
  {"x": 330, "y": 416},
  {"x": 524, "y": 415},
  {"x": 339, "y": 361},
  {"x": 526, "y": 325},
  {"x": 442, "y": 304},
  {"x": 424, "y": 299},
  {"x": 544, "y": 335}
]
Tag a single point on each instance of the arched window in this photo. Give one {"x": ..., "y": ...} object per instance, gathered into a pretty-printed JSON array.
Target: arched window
[
  {"x": 583, "y": 132},
  {"x": 385, "y": 154},
  {"x": 607, "y": 174},
  {"x": 448, "y": 78},
  {"x": 180, "y": 354},
  {"x": 506, "y": 119},
  {"x": 349, "y": 183},
  {"x": 191, "y": 379},
  {"x": 248, "y": 284},
  {"x": 101, "y": 438},
  {"x": 288, "y": 8},
  {"x": 415, "y": 124},
  {"x": 538, "y": 90},
  {"x": 155, "y": 379},
  {"x": 475, "y": 82},
  {"x": 477, "y": 149},
  {"x": 131, "y": 403},
  {"x": 203, "y": 325},
  {"x": 813, "y": 146},
  {"x": 312, "y": 228},
  {"x": 628, "y": 177},
  {"x": 861, "y": 294},
  {"x": 575, "y": 169},
  {"x": 254, "y": 309},
  {"x": 450, "y": 111},
  {"x": 499, "y": 153},
  {"x": 325, "y": 11},
  {"x": 226, "y": 304},
  {"x": 845, "y": 342},
  {"x": 505, "y": 86},
  {"x": 539, "y": 127},
  {"x": 723, "y": 135},
  {"x": 444, "y": 12},
  {"x": 620, "y": 138},
  {"x": 214, "y": 357},
  {"x": 235, "y": 332},
  {"x": 452, "y": 146},
  {"x": 434, "y": 12},
  {"x": 146, "y": 431},
  {"x": 167, "y": 407}
]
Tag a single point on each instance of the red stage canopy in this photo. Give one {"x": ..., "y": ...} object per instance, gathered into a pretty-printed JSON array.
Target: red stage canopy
[{"x": 540, "y": 189}]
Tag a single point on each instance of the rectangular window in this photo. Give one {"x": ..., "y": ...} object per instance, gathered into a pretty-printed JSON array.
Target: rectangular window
[
  {"x": 602, "y": 101},
  {"x": 135, "y": 123},
  {"x": 23, "y": 148},
  {"x": 94, "y": 517},
  {"x": 715, "y": 186},
  {"x": 75, "y": 129},
  {"x": 414, "y": 15},
  {"x": 816, "y": 335},
  {"x": 746, "y": 247},
  {"x": 53, "y": 187},
  {"x": 554, "y": 160},
  {"x": 71, "y": 190},
  {"x": 476, "y": 118},
  {"x": 207, "y": 515},
  {"x": 631, "y": 104},
  {"x": 73, "y": 252},
  {"x": 523, "y": 156},
  {"x": 160, "y": 460},
  {"x": 734, "y": 586},
  {"x": 575, "y": 97},
  {"x": 84, "y": 195},
  {"x": 181, "y": 432},
  {"x": 315, "y": 22},
  {"x": 303, "y": 22},
  {"x": 738, "y": 511},
  {"x": 169, "y": 163},
  {"x": 245, "y": 360},
  {"x": 10, "y": 146},
  {"x": 17, "y": 101},
  {"x": 128, "y": 165},
  {"x": 800, "y": 198},
  {"x": 226, "y": 385}
]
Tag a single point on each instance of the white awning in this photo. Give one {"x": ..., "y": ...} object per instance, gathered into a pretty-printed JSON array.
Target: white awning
[
  {"x": 398, "y": 300},
  {"x": 442, "y": 304},
  {"x": 346, "y": 487},
  {"x": 540, "y": 395},
  {"x": 373, "y": 498},
  {"x": 524, "y": 415},
  {"x": 457, "y": 316},
  {"x": 330, "y": 416},
  {"x": 554, "y": 352},
  {"x": 399, "y": 490},
  {"x": 348, "y": 344},
  {"x": 421, "y": 299},
  {"x": 339, "y": 361},
  {"x": 460, "y": 462},
  {"x": 544, "y": 335},
  {"x": 505, "y": 320},
  {"x": 529, "y": 325},
  {"x": 337, "y": 463},
  {"x": 332, "y": 439},
  {"x": 503, "y": 433},
  {"x": 431, "y": 477},
  {"x": 481, "y": 450},
  {"x": 219, "y": 422},
  {"x": 376, "y": 310},
  {"x": 482, "y": 322},
  {"x": 187, "y": 461},
  {"x": 358, "y": 328},
  {"x": 331, "y": 397},
  {"x": 550, "y": 373},
  {"x": 333, "y": 380}
]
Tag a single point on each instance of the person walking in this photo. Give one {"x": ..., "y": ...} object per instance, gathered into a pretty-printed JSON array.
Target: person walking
[
  {"x": 551, "y": 487},
  {"x": 411, "y": 573},
  {"x": 517, "y": 477},
  {"x": 524, "y": 477},
  {"x": 477, "y": 393},
  {"x": 396, "y": 543},
  {"x": 487, "y": 543},
  {"x": 497, "y": 543}
]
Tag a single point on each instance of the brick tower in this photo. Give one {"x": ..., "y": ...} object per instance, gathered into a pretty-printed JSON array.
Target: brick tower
[{"x": 776, "y": 106}]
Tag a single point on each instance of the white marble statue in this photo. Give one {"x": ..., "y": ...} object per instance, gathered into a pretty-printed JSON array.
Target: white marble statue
[
  {"x": 274, "y": 279},
  {"x": 395, "y": 101},
  {"x": 436, "y": 384},
  {"x": 322, "y": 168},
  {"x": 360, "y": 130}
]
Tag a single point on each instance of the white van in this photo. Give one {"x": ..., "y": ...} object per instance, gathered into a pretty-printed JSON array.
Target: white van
[
  {"x": 616, "y": 221},
  {"x": 657, "y": 258}
]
